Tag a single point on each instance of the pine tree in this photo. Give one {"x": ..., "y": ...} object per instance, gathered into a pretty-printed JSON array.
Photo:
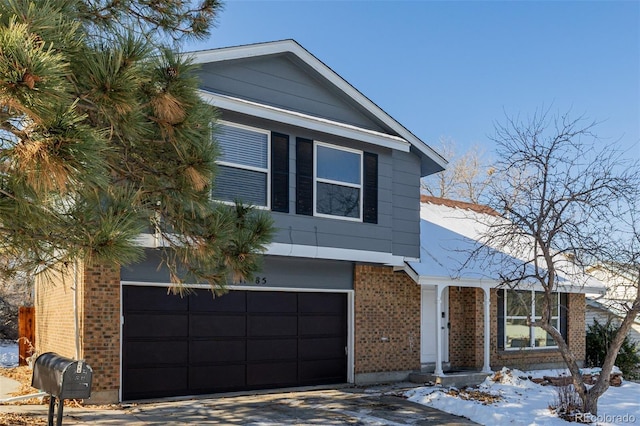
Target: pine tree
[{"x": 103, "y": 136}]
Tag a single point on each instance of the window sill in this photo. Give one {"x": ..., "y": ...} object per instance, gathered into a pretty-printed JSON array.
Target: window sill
[{"x": 528, "y": 350}]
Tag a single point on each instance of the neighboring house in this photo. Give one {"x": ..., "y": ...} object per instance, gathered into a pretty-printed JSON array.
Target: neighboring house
[
  {"x": 622, "y": 289},
  {"x": 483, "y": 327},
  {"x": 332, "y": 303}
]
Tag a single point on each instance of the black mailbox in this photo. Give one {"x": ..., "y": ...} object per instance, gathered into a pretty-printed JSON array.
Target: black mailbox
[{"x": 61, "y": 378}]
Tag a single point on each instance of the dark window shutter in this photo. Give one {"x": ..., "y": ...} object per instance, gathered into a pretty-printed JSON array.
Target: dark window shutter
[
  {"x": 564, "y": 315},
  {"x": 304, "y": 176},
  {"x": 279, "y": 173},
  {"x": 500, "y": 316},
  {"x": 370, "y": 188}
]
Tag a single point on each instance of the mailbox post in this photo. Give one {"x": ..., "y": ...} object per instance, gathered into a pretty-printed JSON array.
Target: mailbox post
[{"x": 61, "y": 378}]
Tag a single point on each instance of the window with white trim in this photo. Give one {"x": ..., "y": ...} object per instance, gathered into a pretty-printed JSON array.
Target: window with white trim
[
  {"x": 243, "y": 164},
  {"x": 518, "y": 306},
  {"x": 337, "y": 182}
]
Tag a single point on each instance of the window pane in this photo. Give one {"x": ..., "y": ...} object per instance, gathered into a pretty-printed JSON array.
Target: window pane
[
  {"x": 518, "y": 333},
  {"x": 247, "y": 186},
  {"x": 338, "y": 165},
  {"x": 337, "y": 200},
  {"x": 539, "y": 301},
  {"x": 542, "y": 338},
  {"x": 518, "y": 303},
  {"x": 242, "y": 146}
]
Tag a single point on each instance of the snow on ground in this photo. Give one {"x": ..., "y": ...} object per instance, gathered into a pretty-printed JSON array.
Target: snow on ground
[
  {"x": 8, "y": 353},
  {"x": 524, "y": 403}
]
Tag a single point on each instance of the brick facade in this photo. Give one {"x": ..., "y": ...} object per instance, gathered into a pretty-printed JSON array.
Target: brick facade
[
  {"x": 466, "y": 330},
  {"x": 387, "y": 320},
  {"x": 54, "y": 307},
  {"x": 387, "y": 307},
  {"x": 97, "y": 305},
  {"x": 466, "y": 315}
]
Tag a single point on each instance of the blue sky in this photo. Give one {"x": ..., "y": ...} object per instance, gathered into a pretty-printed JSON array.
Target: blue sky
[{"x": 452, "y": 69}]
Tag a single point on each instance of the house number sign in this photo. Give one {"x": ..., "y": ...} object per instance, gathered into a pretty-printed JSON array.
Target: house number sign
[{"x": 258, "y": 280}]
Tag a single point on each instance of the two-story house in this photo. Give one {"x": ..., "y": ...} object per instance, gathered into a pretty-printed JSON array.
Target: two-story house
[{"x": 333, "y": 302}]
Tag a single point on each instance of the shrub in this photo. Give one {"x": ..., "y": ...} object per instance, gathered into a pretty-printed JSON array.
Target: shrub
[
  {"x": 599, "y": 337},
  {"x": 567, "y": 403}
]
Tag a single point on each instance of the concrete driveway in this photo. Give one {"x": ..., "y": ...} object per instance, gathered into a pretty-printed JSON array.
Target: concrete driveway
[{"x": 315, "y": 407}]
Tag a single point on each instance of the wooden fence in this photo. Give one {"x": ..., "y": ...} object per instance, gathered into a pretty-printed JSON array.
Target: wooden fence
[{"x": 26, "y": 333}]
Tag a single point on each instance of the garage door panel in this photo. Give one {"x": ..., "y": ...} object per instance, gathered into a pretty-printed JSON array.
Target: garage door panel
[
  {"x": 143, "y": 353},
  {"x": 272, "y": 374},
  {"x": 328, "y": 303},
  {"x": 216, "y": 351},
  {"x": 156, "y": 325},
  {"x": 217, "y": 378},
  {"x": 271, "y": 301},
  {"x": 273, "y": 325},
  {"x": 317, "y": 325},
  {"x": 330, "y": 347},
  {"x": 203, "y": 325},
  {"x": 243, "y": 340},
  {"x": 152, "y": 299},
  {"x": 234, "y": 301},
  {"x": 263, "y": 350},
  {"x": 167, "y": 380},
  {"x": 323, "y": 371}
]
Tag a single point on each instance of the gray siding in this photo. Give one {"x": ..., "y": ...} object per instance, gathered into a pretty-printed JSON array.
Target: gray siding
[
  {"x": 276, "y": 271},
  {"x": 284, "y": 83},
  {"x": 406, "y": 204},
  {"x": 329, "y": 232},
  {"x": 279, "y": 82}
]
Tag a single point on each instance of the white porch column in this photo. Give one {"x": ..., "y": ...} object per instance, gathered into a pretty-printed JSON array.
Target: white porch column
[
  {"x": 486, "y": 367},
  {"x": 438, "y": 369}
]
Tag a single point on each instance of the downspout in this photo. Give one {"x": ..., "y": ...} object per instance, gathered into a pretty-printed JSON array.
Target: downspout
[{"x": 76, "y": 318}]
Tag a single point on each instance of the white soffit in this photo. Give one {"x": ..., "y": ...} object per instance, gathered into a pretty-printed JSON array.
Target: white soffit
[{"x": 290, "y": 46}]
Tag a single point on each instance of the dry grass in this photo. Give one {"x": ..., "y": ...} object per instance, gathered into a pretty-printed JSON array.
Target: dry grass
[
  {"x": 23, "y": 376},
  {"x": 475, "y": 395},
  {"x": 14, "y": 419}
]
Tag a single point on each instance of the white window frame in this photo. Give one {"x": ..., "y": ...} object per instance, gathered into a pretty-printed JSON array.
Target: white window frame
[
  {"x": 316, "y": 179},
  {"x": 532, "y": 308},
  {"x": 267, "y": 170}
]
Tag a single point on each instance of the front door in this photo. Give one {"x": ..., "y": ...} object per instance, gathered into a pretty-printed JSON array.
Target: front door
[{"x": 428, "y": 325}]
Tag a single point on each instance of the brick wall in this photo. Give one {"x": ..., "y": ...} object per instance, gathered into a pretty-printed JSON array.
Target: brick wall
[
  {"x": 98, "y": 308},
  {"x": 387, "y": 320},
  {"x": 466, "y": 332},
  {"x": 54, "y": 307},
  {"x": 101, "y": 330}
]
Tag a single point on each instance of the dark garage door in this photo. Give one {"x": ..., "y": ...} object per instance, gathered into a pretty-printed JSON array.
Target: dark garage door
[{"x": 243, "y": 340}]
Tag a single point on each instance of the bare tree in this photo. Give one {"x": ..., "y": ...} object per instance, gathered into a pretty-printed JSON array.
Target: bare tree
[
  {"x": 465, "y": 179},
  {"x": 566, "y": 202}
]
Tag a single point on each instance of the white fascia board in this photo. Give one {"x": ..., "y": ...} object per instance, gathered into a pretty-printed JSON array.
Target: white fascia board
[
  {"x": 303, "y": 120},
  {"x": 240, "y": 52},
  {"x": 297, "y": 250},
  {"x": 457, "y": 282},
  {"x": 290, "y": 46},
  {"x": 489, "y": 283},
  {"x": 333, "y": 253}
]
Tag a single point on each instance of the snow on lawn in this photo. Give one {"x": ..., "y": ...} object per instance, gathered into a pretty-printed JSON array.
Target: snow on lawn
[
  {"x": 523, "y": 402},
  {"x": 8, "y": 353}
]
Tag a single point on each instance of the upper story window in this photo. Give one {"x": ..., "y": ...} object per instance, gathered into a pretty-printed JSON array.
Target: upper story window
[
  {"x": 338, "y": 182},
  {"x": 243, "y": 165},
  {"x": 518, "y": 305}
]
